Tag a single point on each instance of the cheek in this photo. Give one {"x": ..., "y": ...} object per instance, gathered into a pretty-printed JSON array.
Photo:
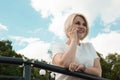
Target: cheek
[
  {"x": 82, "y": 35},
  {"x": 85, "y": 30}
]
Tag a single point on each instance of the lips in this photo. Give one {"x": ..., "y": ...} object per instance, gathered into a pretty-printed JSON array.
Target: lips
[{"x": 81, "y": 30}]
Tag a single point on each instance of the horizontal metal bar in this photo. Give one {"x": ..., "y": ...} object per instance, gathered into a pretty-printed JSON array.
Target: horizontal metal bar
[
  {"x": 11, "y": 60},
  {"x": 66, "y": 71},
  {"x": 19, "y": 61}
]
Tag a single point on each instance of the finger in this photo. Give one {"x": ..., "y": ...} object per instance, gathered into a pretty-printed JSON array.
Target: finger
[
  {"x": 71, "y": 67},
  {"x": 74, "y": 67},
  {"x": 74, "y": 30},
  {"x": 70, "y": 29},
  {"x": 79, "y": 68}
]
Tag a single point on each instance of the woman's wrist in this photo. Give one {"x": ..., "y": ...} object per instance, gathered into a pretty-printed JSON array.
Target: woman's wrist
[
  {"x": 84, "y": 68},
  {"x": 74, "y": 41}
]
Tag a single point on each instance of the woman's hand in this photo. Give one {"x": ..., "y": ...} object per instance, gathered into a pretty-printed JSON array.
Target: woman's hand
[
  {"x": 73, "y": 66},
  {"x": 72, "y": 33},
  {"x": 76, "y": 67}
]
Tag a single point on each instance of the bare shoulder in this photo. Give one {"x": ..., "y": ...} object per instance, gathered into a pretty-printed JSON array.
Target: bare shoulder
[
  {"x": 56, "y": 58},
  {"x": 58, "y": 50}
]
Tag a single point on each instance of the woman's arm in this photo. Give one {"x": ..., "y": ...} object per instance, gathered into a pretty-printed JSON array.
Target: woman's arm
[
  {"x": 96, "y": 69},
  {"x": 64, "y": 59}
]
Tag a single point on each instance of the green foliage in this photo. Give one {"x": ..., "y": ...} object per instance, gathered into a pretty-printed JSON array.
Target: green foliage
[
  {"x": 110, "y": 66},
  {"x": 6, "y": 49},
  {"x": 114, "y": 64},
  {"x": 7, "y": 69}
]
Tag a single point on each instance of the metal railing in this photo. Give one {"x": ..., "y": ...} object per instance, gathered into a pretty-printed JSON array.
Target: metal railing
[{"x": 28, "y": 64}]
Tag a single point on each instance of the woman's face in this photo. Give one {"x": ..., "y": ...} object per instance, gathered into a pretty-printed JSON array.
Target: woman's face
[{"x": 80, "y": 23}]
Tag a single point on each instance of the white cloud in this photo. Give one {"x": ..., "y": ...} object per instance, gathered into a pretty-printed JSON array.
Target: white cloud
[
  {"x": 3, "y": 27},
  {"x": 59, "y": 10},
  {"x": 36, "y": 50},
  {"x": 107, "y": 43},
  {"x": 111, "y": 12},
  {"x": 24, "y": 39},
  {"x": 57, "y": 26},
  {"x": 108, "y": 9}
]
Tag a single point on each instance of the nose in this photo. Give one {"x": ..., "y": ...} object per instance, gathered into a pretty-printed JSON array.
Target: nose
[{"x": 80, "y": 27}]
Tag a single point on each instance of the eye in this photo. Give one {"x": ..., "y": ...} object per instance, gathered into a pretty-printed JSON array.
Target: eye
[
  {"x": 84, "y": 24},
  {"x": 78, "y": 23}
]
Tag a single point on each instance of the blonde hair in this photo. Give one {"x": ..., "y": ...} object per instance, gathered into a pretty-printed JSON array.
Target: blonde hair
[{"x": 69, "y": 21}]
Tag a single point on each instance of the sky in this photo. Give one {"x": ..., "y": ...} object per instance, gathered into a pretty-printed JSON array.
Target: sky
[{"x": 34, "y": 26}]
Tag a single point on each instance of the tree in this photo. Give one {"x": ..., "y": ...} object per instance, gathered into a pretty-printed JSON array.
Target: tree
[
  {"x": 104, "y": 66},
  {"x": 6, "y": 49},
  {"x": 6, "y": 69},
  {"x": 110, "y": 66},
  {"x": 113, "y": 61}
]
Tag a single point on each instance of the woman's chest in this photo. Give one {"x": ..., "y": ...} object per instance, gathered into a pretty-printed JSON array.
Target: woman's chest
[{"x": 84, "y": 56}]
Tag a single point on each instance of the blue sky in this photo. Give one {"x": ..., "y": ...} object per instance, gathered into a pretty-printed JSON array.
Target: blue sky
[{"x": 33, "y": 25}]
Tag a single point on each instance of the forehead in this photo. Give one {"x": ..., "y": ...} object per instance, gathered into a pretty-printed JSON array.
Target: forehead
[{"x": 78, "y": 18}]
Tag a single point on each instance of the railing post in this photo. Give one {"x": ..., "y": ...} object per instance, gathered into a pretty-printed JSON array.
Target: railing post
[{"x": 27, "y": 72}]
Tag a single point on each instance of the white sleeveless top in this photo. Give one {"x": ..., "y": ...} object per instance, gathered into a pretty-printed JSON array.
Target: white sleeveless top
[{"x": 85, "y": 54}]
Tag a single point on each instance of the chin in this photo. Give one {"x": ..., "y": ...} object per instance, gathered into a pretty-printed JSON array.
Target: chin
[{"x": 81, "y": 36}]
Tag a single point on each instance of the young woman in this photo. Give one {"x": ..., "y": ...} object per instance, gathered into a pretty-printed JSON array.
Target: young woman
[{"x": 74, "y": 54}]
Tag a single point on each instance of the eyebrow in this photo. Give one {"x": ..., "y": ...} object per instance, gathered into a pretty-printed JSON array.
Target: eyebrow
[{"x": 79, "y": 22}]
